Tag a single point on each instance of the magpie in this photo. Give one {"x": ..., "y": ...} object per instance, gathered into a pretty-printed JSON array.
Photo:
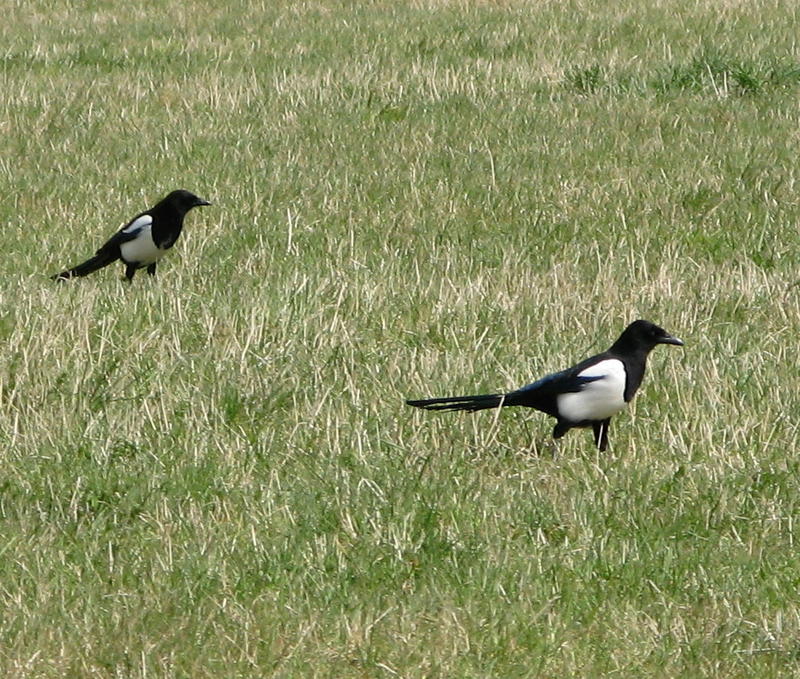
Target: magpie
[
  {"x": 143, "y": 240},
  {"x": 585, "y": 395}
]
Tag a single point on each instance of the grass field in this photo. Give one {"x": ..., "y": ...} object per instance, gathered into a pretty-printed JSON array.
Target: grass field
[{"x": 213, "y": 474}]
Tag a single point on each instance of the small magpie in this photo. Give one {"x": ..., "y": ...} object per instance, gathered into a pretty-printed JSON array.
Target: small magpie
[
  {"x": 586, "y": 395},
  {"x": 142, "y": 241}
]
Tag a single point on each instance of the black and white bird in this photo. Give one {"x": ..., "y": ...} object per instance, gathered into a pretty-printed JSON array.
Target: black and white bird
[
  {"x": 586, "y": 395},
  {"x": 142, "y": 241}
]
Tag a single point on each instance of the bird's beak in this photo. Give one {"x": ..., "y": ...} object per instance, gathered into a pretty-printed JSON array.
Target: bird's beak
[
  {"x": 669, "y": 339},
  {"x": 201, "y": 202}
]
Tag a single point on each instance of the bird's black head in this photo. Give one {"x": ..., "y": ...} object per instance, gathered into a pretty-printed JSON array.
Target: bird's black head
[
  {"x": 184, "y": 200},
  {"x": 643, "y": 336}
]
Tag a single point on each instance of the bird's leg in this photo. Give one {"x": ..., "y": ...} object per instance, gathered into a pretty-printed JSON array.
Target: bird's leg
[
  {"x": 604, "y": 438},
  {"x": 561, "y": 428},
  {"x": 130, "y": 270},
  {"x": 151, "y": 270},
  {"x": 601, "y": 433}
]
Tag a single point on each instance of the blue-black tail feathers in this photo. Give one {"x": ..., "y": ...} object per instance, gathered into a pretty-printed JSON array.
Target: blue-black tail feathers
[
  {"x": 467, "y": 403},
  {"x": 84, "y": 269}
]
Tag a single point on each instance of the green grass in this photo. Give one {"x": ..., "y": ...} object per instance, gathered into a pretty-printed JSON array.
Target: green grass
[{"x": 213, "y": 474}]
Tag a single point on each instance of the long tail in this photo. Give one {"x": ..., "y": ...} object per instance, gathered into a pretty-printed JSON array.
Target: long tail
[
  {"x": 87, "y": 267},
  {"x": 468, "y": 403}
]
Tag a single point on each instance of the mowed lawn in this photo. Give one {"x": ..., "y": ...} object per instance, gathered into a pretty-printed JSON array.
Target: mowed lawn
[{"x": 213, "y": 474}]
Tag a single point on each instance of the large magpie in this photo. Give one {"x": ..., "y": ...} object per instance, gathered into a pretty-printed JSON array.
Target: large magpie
[
  {"x": 143, "y": 240},
  {"x": 586, "y": 395}
]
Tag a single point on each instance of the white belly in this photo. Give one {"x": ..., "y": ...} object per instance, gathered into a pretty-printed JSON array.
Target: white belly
[
  {"x": 598, "y": 400},
  {"x": 141, "y": 250}
]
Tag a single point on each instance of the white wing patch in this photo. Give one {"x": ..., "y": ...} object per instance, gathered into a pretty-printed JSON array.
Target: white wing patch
[
  {"x": 142, "y": 250},
  {"x": 599, "y": 399},
  {"x": 138, "y": 223}
]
